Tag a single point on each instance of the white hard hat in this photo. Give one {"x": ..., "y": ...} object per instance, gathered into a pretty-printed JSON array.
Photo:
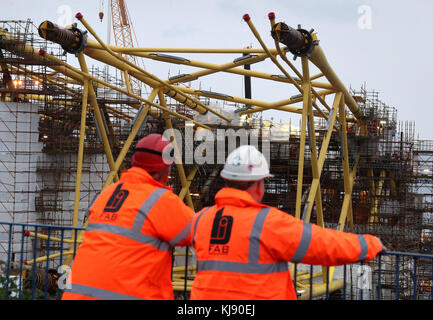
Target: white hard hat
[{"x": 246, "y": 163}]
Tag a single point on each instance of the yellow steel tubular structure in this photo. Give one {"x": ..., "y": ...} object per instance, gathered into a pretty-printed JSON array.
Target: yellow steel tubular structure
[{"x": 313, "y": 105}]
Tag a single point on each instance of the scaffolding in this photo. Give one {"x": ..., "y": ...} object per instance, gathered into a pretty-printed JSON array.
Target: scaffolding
[{"x": 39, "y": 130}]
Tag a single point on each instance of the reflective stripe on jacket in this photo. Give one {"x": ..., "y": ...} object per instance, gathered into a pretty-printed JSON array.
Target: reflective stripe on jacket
[
  {"x": 126, "y": 249},
  {"x": 243, "y": 249}
]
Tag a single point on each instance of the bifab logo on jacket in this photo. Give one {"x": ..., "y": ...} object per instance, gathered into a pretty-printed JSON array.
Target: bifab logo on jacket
[
  {"x": 220, "y": 234},
  {"x": 114, "y": 203}
]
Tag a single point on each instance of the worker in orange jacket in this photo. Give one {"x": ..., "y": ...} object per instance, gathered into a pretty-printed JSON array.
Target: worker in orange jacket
[
  {"x": 243, "y": 247},
  {"x": 132, "y": 226}
]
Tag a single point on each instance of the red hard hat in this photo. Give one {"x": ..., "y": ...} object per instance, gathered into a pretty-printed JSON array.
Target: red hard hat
[{"x": 154, "y": 153}]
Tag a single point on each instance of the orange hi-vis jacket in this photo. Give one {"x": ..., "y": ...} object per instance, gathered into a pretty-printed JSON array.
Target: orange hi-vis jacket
[
  {"x": 126, "y": 248},
  {"x": 243, "y": 249}
]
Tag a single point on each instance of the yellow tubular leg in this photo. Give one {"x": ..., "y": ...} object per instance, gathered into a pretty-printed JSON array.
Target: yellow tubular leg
[
  {"x": 189, "y": 179},
  {"x": 179, "y": 165},
  {"x": 80, "y": 153},
  {"x": 99, "y": 120},
  {"x": 129, "y": 140}
]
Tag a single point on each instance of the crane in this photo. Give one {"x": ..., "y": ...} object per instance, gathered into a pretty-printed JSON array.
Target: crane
[{"x": 123, "y": 35}]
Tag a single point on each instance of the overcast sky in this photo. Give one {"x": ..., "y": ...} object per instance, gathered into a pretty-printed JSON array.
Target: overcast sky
[{"x": 383, "y": 43}]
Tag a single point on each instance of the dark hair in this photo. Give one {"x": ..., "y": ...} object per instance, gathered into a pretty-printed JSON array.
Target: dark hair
[{"x": 241, "y": 185}]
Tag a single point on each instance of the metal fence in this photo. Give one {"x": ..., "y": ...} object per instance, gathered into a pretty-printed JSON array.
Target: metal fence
[
  {"x": 35, "y": 258},
  {"x": 32, "y": 260},
  {"x": 390, "y": 276}
]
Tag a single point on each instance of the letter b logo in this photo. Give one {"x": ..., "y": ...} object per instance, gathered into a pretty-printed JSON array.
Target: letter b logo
[
  {"x": 116, "y": 200},
  {"x": 221, "y": 228}
]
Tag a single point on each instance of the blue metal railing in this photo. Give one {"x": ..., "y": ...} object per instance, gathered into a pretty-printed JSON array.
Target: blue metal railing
[
  {"x": 34, "y": 279},
  {"x": 391, "y": 275},
  {"x": 416, "y": 258},
  {"x": 404, "y": 276}
]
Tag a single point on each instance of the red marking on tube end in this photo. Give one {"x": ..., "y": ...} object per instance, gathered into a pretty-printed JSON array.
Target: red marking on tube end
[
  {"x": 26, "y": 233},
  {"x": 79, "y": 16},
  {"x": 25, "y": 262},
  {"x": 246, "y": 17},
  {"x": 41, "y": 52},
  {"x": 271, "y": 16}
]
